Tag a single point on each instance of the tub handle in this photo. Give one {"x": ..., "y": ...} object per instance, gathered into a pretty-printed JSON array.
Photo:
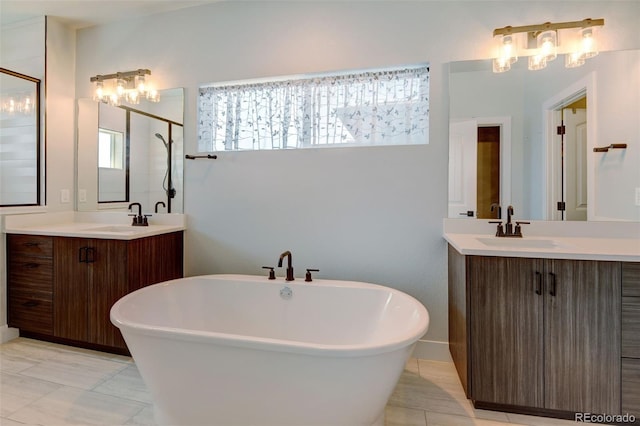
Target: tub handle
[
  {"x": 272, "y": 273},
  {"x": 307, "y": 277}
]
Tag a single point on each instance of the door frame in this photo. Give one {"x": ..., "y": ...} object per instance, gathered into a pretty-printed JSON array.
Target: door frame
[
  {"x": 504, "y": 122},
  {"x": 586, "y": 86}
]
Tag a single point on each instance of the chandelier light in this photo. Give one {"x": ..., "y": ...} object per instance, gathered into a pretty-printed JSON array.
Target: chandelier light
[
  {"x": 128, "y": 86},
  {"x": 541, "y": 43}
]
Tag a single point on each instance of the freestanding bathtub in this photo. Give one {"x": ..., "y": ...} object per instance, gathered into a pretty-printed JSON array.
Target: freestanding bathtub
[{"x": 243, "y": 350}]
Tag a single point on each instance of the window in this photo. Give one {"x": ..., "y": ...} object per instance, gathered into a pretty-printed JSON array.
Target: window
[
  {"x": 110, "y": 149},
  {"x": 370, "y": 108}
]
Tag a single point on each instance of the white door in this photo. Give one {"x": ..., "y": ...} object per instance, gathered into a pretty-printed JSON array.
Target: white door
[
  {"x": 575, "y": 163},
  {"x": 463, "y": 147}
]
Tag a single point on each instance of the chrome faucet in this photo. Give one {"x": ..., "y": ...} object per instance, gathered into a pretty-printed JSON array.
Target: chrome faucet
[{"x": 287, "y": 254}]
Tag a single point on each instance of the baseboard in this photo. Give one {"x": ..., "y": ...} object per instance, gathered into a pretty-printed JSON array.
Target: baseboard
[
  {"x": 7, "y": 333},
  {"x": 433, "y": 350}
]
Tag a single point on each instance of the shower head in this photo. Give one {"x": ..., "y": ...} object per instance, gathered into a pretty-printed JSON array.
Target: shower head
[{"x": 159, "y": 136}]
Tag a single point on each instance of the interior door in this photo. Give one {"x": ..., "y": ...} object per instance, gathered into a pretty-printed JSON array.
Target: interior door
[
  {"x": 463, "y": 151},
  {"x": 575, "y": 163}
]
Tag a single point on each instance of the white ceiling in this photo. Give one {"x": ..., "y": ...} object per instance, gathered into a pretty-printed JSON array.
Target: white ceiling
[{"x": 85, "y": 13}]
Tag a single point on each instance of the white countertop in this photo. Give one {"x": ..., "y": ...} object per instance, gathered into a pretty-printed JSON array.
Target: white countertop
[
  {"x": 619, "y": 241},
  {"x": 104, "y": 225}
]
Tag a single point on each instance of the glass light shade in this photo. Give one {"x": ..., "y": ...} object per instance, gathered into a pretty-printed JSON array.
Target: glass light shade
[
  {"x": 140, "y": 84},
  {"x": 114, "y": 99},
  {"x": 574, "y": 60},
  {"x": 121, "y": 86},
  {"x": 27, "y": 105},
  {"x": 501, "y": 65},
  {"x": 507, "y": 48},
  {"x": 537, "y": 62},
  {"x": 588, "y": 45},
  {"x": 547, "y": 43},
  {"x": 153, "y": 95},
  {"x": 133, "y": 97},
  {"x": 98, "y": 93}
]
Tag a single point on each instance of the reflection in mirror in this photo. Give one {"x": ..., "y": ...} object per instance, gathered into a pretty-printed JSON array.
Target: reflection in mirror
[
  {"x": 546, "y": 174},
  {"x": 19, "y": 139},
  {"x": 128, "y": 154}
]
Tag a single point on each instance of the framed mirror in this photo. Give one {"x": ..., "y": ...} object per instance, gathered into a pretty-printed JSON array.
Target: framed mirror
[
  {"x": 131, "y": 154},
  {"x": 20, "y": 169},
  {"x": 544, "y": 172}
]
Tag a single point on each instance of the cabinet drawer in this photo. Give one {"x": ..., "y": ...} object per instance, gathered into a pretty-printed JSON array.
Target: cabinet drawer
[
  {"x": 631, "y": 327},
  {"x": 31, "y": 312},
  {"x": 30, "y": 245},
  {"x": 631, "y": 386},
  {"x": 30, "y": 273},
  {"x": 631, "y": 279}
]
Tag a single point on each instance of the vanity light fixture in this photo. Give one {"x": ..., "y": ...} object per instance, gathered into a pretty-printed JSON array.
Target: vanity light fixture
[
  {"x": 542, "y": 42},
  {"x": 128, "y": 86}
]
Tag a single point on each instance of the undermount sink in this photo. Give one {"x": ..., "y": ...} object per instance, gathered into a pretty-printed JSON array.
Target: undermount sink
[
  {"x": 118, "y": 229},
  {"x": 507, "y": 242}
]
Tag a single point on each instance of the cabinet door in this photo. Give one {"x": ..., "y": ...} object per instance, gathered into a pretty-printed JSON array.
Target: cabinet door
[
  {"x": 107, "y": 268},
  {"x": 582, "y": 340},
  {"x": 506, "y": 330},
  {"x": 70, "y": 288}
]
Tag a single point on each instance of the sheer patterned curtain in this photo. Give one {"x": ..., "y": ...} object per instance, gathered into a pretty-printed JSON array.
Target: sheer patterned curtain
[{"x": 370, "y": 108}]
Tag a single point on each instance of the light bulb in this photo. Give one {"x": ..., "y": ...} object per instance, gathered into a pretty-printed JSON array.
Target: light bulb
[
  {"x": 121, "y": 86},
  {"x": 588, "y": 45},
  {"x": 98, "y": 94},
  {"x": 140, "y": 84},
  {"x": 547, "y": 43}
]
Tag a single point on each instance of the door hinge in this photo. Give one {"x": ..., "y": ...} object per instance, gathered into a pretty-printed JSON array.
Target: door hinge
[
  {"x": 561, "y": 206},
  {"x": 561, "y": 130}
]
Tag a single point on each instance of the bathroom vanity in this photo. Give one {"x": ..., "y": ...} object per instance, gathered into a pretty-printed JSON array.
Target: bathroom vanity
[
  {"x": 63, "y": 278},
  {"x": 546, "y": 325}
]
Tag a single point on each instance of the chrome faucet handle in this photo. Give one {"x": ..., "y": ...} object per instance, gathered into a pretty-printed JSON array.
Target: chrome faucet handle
[
  {"x": 518, "y": 231},
  {"x": 499, "y": 229}
]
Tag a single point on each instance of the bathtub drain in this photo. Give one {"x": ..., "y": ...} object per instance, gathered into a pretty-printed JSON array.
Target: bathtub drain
[{"x": 286, "y": 293}]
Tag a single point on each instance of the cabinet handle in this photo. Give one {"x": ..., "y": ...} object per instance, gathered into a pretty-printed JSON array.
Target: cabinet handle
[
  {"x": 31, "y": 244},
  {"x": 552, "y": 287},
  {"x": 538, "y": 283},
  {"x": 31, "y": 265},
  {"x": 31, "y": 303},
  {"x": 91, "y": 255},
  {"x": 82, "y": 259}
]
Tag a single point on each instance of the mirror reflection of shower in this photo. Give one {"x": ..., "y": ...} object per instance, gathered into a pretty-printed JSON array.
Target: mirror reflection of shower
[{"x": 167, "y": 186}]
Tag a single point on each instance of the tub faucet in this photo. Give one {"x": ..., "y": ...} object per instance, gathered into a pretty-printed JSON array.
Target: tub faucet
[
  {"x": 158, "y": 203},
  {"x": 287, "y": 254}
]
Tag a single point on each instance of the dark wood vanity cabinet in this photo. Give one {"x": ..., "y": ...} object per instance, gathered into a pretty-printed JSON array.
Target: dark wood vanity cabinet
[
  {"x": 90, "y": 276},
  {"x": 30, "y": 283},
  {"x": 69, "y": 295},
  {"x": 631, "y": 339},
  {"x": 537, "y": 335}
]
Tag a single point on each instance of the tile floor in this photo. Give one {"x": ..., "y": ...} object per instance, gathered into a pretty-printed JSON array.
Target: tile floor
[{"x": 47, "y": 384}]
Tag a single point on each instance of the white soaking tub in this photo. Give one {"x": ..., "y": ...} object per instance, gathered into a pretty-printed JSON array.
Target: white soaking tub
[{"x": 244, "y": 350}]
